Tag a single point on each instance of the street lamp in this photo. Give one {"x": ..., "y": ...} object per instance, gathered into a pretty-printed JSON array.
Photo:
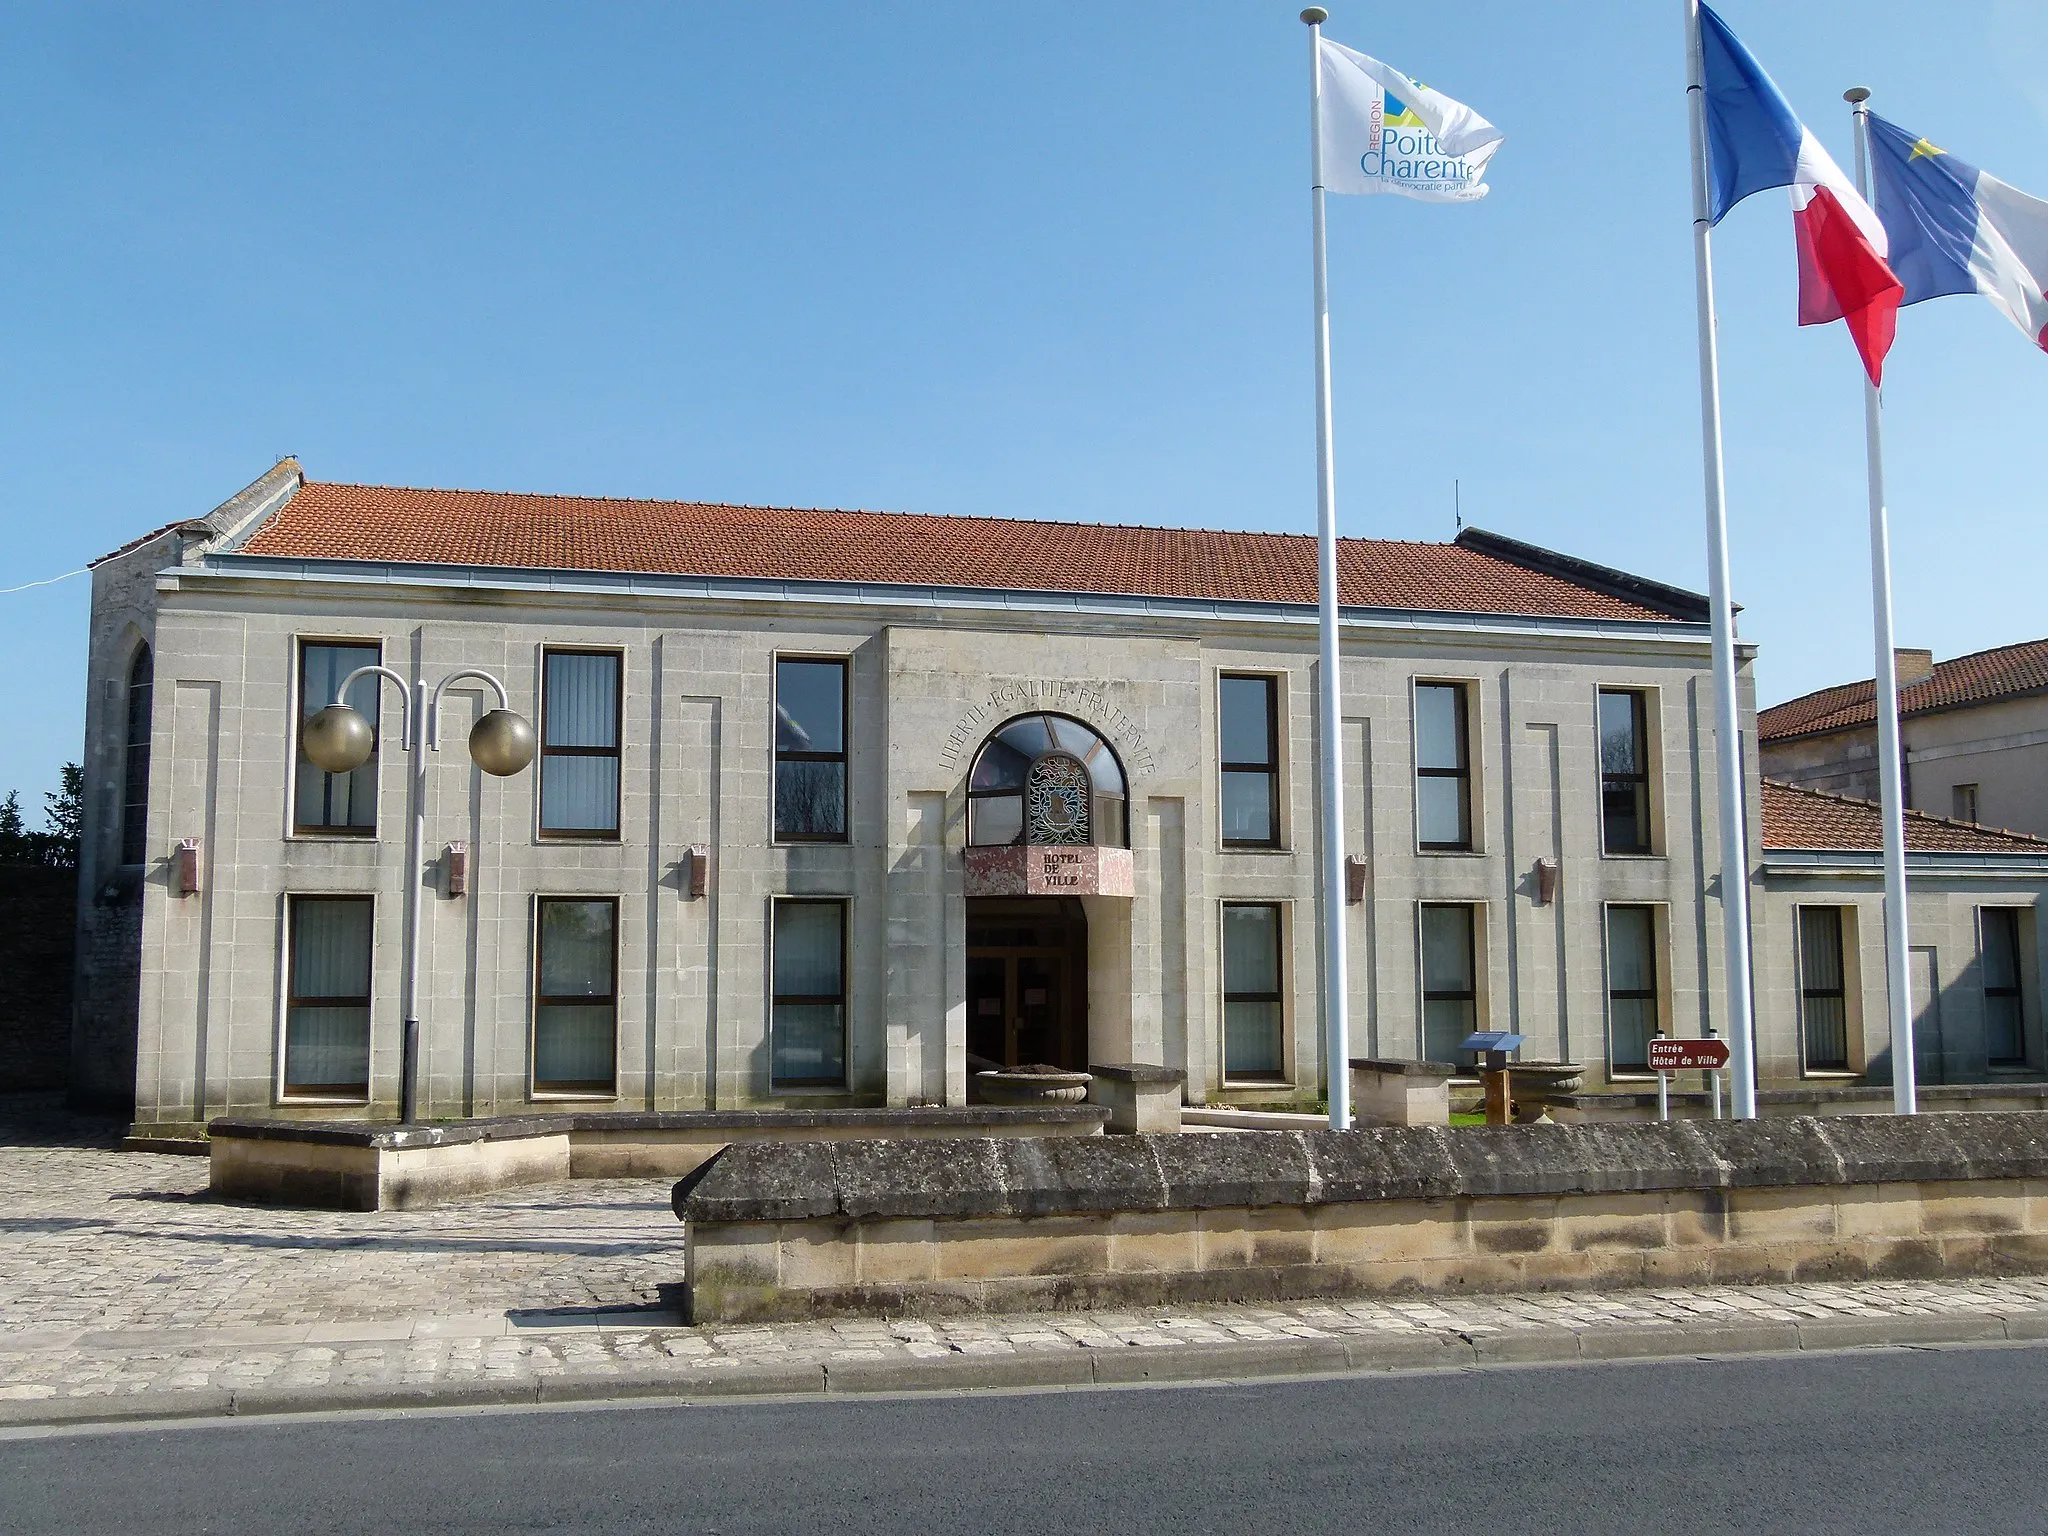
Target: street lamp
[{"x": 340, "y": 740}]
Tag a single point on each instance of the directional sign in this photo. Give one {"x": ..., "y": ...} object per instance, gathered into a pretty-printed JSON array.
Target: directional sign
[{"x": 1688, "y": 1055}]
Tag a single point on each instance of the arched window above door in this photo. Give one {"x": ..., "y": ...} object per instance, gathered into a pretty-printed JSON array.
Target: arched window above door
[{"x": 1046, "y": 779}]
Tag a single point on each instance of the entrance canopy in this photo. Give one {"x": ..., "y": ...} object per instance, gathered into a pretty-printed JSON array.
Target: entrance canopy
[{"x": 1047, "y": 812}]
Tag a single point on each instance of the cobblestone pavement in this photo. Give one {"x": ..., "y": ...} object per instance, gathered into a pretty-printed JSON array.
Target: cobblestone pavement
[{"x": 123, "y": 1288}]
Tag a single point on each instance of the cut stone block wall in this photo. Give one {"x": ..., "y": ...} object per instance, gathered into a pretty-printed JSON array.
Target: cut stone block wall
[{"x": 810, "y": 1230}]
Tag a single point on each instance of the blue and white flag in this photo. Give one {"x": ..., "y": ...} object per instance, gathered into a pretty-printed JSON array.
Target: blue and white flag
[
  {"x": 1382, "y": 132},
  {"x": 1953, "y": 229}
]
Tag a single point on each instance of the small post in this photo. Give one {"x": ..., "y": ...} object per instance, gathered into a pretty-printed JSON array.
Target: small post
[
  {"x": 1663, "y": 1092},
  {"x": 1500, "y": 1098}
]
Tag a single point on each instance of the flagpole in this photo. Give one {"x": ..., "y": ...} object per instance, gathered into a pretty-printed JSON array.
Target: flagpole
[
  {"x": 1727, "y": 711},
  {"x": 1890, "y": 758},
  {"x": 1329, "y": 716}
]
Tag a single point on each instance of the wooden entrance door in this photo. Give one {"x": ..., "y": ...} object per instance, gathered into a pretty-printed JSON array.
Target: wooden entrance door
[{"x": 1017, "y": 1006}]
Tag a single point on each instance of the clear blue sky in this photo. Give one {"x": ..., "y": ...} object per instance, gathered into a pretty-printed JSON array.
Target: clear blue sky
[{"x": 1046, "y": 260}]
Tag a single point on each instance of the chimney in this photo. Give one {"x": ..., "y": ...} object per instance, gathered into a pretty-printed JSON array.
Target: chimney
[{"x": 1913, "y": 666}]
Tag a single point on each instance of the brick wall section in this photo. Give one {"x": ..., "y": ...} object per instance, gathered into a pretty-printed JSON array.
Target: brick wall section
[{"x": 37, "y": 907}]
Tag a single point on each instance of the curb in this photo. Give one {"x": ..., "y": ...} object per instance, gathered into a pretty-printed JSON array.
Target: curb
[{"x": 1247, "y": 1360}]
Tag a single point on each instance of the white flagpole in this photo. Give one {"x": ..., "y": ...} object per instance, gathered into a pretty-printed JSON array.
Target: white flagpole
[
  {"x": 1727, "y": 712},
  {"x": 1891, "y": 789},
  {"x": 1329, "y": 715}
]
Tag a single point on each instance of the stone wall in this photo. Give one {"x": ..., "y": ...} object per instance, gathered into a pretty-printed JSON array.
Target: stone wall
[
  {"x": 36, "y": 915},
  {"x": 888, "y": 1226}
]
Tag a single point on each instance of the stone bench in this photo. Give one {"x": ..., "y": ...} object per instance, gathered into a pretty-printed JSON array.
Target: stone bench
[
  {"x": 1140, "y": 1099},
  {"x": 795, "y": 1229},
  {"x": 1388, "y": 1092}
]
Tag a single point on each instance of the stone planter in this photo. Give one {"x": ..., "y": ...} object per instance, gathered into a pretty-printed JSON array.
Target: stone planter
[
  {"x": 1032, "y": 1087},
  {"x": 1547, "y": 1076}
]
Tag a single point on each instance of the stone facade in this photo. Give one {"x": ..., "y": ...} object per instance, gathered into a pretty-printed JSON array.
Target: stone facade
[{"x": 932, "y": 675}]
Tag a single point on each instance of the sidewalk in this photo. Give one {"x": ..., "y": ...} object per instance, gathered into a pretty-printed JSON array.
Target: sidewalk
[{"x": 126, "y": 1293}]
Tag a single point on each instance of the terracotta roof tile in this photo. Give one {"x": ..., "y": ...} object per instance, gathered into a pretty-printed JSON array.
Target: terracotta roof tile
[
  {"x": 1810, "y": 819},
  {"x": 490, "y": 528},
  {"x": 1974, "y": 679}
]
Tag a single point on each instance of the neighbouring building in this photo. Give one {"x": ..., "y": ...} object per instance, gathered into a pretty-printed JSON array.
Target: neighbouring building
[
  {"x": 1973, "y": 944},
  {"x": 1974, "y": 731},
  {"x": 835, "y": 808}
]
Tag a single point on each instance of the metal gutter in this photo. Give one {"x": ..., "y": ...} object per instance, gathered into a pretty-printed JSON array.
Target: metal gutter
[{"x": 1869, "y": 863}]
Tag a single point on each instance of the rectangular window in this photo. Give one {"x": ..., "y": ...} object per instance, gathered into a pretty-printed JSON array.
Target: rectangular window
[
  {"x": 1251, "y": 993},
  {"x": 579, "y": 743},
  {"x": 1962, "y": 800},
  {"x": 336, "y": 802},
  {"x": 1624, "y": 771},
  {"x": 327, "y": 998},
  {"x": 1450, "y": 981},
  {"x": 810, "y": 750},
  {"x": 1248, "y": 730},
  {"x": 1443, "y": 768},
  {"x": 1823, "y": 996},
  {"x": 1631, "y": 987},
  {"x": 807, "y": 1021},
  {"x": 576, "y": 995},
  {"x": 2004, "y": 1022}
]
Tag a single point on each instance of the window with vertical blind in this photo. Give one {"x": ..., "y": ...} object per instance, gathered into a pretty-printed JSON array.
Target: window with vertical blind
[
  {"x": 807, "y": 1012},
  {"x": 1631, "y": 987},
  {"x": 1624, "y": 772},
  {"x": 1443, "y": 769},
  {"x": 343, "y": 803},
  {"x": 1446, "y": 933},
  {"x": 579, "y": 743},
  {"x": 1248, "y": 729},
  {"x": 2005, "y": 1041},
  {"x": 1823, "y": 995},
  {"x": 135, "y": 762},
  {"x": 810, "y": 750},
  {"x": 327, "y": 997},
  {"x": 576, "y": 995},
  {"x": 1253, "y": 1047}
]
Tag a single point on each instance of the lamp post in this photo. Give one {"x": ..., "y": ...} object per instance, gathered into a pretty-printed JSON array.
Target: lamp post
[{"x": 340, "y": 740}]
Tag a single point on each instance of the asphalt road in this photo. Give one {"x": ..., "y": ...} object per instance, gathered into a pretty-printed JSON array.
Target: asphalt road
[{"x": 1873, "y": 1442}]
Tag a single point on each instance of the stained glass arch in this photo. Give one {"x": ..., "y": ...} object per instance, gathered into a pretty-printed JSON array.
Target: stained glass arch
[{"x": 1046, "y": 779}]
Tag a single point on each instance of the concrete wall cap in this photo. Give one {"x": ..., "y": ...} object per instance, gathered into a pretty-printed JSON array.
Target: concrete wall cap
[
  {"x": 1405, "y": 1068},
  {"x": 869, "y": 1180},
  {"x": 387, "y": 1137},
  {"x": 1138, "y": 1072}
]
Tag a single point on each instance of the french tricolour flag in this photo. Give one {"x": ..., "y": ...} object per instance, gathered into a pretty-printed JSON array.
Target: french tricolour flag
[
  {"x": 1955, "y": 229},
  {"x": 1755, "y": 141}
]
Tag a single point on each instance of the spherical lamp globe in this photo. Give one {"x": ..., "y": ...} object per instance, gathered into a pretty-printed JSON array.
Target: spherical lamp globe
[
  {"x": 502, "y": 743},
  {"x": 338, "y": 739}
]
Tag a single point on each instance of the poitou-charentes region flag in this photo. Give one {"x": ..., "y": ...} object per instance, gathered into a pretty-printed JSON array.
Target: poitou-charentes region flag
[
  {"x": 1755, "y": 140},
  {"x": 1953, "y": 229},
  {"x": 1384, "y": 133}
]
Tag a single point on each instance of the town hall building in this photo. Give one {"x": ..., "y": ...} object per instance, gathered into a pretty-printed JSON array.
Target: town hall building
[{"x": 836, "y": 809}]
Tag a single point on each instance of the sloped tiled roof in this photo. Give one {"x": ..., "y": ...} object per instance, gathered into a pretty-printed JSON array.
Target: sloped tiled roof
[
  {"x": 1809, "y": 819},
  {"x": 1978, "y": 678},
  {"x": 327, "y": 521}
]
